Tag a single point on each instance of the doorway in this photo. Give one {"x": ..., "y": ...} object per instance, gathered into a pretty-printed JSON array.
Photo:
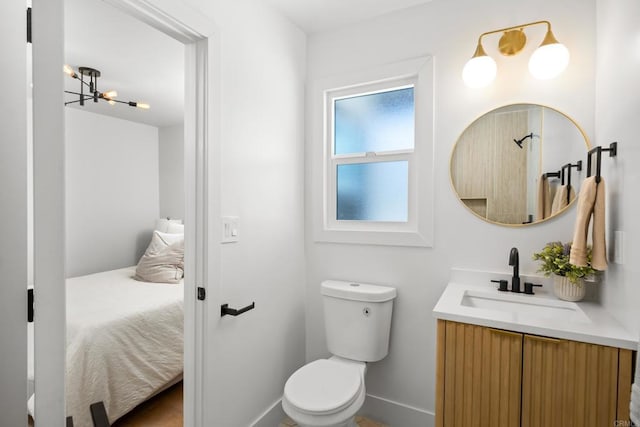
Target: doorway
[{"x": 195, "y": 33}]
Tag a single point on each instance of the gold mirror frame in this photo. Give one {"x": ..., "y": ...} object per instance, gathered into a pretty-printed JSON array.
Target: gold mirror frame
[{"x": 455, "y": 146}]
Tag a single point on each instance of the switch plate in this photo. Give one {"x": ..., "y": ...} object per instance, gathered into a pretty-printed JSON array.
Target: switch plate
[
  {"x": 618, "y": 250},
  {"x": 230, "y": 229}
]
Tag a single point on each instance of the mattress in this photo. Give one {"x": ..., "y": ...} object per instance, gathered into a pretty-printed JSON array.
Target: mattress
[{"x": 124, "y": 342}]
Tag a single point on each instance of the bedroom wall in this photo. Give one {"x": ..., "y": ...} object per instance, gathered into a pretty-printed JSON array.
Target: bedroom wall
[
  {"x": 171, "y": 165},
  {"x": 112, "y": 199},
  {"x": 618, "y": 68},
  {"x": 404, "y": 382}
]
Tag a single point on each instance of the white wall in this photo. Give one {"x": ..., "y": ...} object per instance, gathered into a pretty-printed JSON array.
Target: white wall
[
  {"x": 617, "y": 111},
  {"x": 171, "y": 164},
  {"x": 262, "y": 72},
  {"x": 449, "y": 31},
  {"x": 111, "y": 191}
]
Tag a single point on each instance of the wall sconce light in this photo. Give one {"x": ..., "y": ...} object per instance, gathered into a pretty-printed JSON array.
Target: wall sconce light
[
  {"x": 547, "y": 62},
  {"x": 92, "y": 94}
]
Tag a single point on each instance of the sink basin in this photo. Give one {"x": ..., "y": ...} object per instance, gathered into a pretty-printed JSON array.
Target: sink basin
[{"x": 521, "y": 306}]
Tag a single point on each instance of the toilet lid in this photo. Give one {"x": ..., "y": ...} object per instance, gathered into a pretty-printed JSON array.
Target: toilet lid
[{"x": 323, "y": 386}]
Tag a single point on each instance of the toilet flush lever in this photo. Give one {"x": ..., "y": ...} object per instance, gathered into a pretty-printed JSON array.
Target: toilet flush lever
[{"x": 224, "y": 309}]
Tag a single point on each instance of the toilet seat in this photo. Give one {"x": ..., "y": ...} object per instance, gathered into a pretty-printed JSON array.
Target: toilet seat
[{"x": 324, "y": 387}]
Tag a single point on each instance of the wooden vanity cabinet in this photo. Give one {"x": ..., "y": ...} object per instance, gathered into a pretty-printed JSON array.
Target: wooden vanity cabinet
[{"x": 492, "y": 377}]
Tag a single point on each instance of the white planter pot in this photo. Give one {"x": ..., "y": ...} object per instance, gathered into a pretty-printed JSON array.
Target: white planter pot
[{"x": 565, "y": 290}]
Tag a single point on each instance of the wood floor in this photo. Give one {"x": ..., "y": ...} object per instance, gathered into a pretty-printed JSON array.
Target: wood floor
[{"x": 164, "y": 410}]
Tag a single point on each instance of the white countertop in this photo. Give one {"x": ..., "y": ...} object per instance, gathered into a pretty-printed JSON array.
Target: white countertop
[{"x": 589, "y": 322}]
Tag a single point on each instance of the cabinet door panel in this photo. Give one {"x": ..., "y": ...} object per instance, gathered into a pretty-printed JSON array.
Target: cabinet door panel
[
  {"x": 567, "y": 383},
  {"x": 482, "y": 378}
]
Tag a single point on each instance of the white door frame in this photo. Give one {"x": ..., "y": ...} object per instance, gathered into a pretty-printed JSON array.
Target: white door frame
[
  {"x": 202, "y": 184},
  {"x": 13, "y": 205},
  {"x": 48, "y": 212}
]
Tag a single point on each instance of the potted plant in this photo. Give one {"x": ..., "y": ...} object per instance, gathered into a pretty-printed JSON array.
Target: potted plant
[{"x": 568, "y": 279}]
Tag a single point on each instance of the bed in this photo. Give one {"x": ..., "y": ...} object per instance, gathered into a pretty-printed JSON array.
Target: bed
[{"x": 124, "y": 342}]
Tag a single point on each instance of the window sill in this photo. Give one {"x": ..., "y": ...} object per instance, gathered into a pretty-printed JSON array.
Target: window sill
[{"x": 383, "y": 238}]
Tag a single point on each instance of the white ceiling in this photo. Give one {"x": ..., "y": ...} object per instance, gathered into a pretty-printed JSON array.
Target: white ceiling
[
  {"x": 144, "y": 65},
  {"x": 318, "y": 15},
  {"x": 139, "y": 62}
]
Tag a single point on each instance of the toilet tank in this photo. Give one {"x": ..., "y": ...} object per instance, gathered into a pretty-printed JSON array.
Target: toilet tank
[{"x": 357, "y": 319}]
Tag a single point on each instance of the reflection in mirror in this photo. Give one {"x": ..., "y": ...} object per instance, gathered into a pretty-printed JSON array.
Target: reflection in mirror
[{"x": 519, "y": 164}]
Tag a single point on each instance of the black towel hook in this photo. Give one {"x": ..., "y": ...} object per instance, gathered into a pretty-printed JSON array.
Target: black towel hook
[
  {"x": 551, "y": 175},
  {"x": 613, "y": 151},
  {"x": 568, "y": 167}
]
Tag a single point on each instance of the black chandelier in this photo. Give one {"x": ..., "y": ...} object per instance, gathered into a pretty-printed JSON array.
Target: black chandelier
[{"x": 93, "y": 94}]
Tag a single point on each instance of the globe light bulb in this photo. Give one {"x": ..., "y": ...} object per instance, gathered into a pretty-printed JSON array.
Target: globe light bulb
[
  {"x": 550, "y": 59},
  {"x": 479, "y": 71}
]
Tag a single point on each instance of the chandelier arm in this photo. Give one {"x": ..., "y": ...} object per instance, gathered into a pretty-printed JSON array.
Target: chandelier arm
[
  {"x": 514, "y": 28},
  {"x": 117, "y": 100},
  {"x": 82, "y": 81}
]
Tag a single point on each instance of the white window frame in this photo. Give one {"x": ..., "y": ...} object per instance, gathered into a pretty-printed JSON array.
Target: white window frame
[{"x": 418, "y": 230}]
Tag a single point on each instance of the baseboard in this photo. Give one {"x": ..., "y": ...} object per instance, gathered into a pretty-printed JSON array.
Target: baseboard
[
  {"x": 395, "y": 414},
  {"x": 272, "y": 417}
]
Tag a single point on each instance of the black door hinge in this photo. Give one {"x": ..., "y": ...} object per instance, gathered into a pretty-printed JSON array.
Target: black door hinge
[
  {"x": 201, "y": 294},
  {"x": 29, "y": 305},
  {"x": 28, "y": 25}
]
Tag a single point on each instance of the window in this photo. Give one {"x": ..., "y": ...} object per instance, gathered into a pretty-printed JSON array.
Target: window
[
  {"x": 372, "y": 142},
  {"x": 376, "y": 158}
]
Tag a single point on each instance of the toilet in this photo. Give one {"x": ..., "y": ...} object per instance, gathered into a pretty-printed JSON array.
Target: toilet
[{"x": 329, "y": 392}]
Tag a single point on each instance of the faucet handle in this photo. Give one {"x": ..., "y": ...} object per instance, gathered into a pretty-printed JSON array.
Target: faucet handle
[
  {"x": 504, "y": 285},
  {"x": 528, "y": 288}
]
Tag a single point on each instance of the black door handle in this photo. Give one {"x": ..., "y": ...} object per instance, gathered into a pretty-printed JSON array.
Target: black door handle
[
  {"x": 29, "y": 305},
  {"x": 224, "y": 309}
]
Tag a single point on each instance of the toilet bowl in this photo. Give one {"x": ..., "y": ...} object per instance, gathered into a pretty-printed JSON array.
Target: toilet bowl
[
  {"x": 357, "y": 321},
  {"x": 325, "y": 393}
]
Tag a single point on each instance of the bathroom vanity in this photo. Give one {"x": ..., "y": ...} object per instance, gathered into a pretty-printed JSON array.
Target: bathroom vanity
[{"x": 510, "y": 360}]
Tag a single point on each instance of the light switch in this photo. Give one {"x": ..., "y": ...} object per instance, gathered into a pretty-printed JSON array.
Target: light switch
[{"x": 230, "y": 229}]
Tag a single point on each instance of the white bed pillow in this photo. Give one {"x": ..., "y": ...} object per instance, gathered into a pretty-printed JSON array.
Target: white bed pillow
[
  {"x": 163, "y": 261},
  {"x": 175, "y": 228},
  {"x": 162, "y": 224}
]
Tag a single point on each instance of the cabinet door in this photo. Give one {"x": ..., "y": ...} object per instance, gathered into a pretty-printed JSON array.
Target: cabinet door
[
  {"x": 482, "y": 378},
  {"x": 568, "y": 383}
]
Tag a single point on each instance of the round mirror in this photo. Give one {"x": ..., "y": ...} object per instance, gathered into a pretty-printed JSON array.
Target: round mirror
[{"x": 519, "y": 164}]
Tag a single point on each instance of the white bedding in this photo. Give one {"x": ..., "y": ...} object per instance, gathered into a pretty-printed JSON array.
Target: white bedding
[{"x": 124, "y": 341}]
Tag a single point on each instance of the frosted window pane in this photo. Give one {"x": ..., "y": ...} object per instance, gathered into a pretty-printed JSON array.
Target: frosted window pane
[
  {"x": 377, "y": 122},
  {"x": 373, "y": 191}
]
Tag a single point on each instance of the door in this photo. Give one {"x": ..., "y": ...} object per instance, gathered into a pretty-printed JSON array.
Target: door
[
  {"x": 568, "y": 383},
  {"x": 482, "y": 376},
  {"x": 13, "y": 226}
]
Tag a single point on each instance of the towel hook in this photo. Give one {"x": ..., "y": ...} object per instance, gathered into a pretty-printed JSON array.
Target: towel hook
[
  {"x": 551, "y": 175},
  {"x": 613, "y": 152},
  {"x": 568, "y": 167}
]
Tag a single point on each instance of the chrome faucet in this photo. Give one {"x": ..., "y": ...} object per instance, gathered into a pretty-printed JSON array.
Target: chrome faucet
[{"x": 514, "y": 260}]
